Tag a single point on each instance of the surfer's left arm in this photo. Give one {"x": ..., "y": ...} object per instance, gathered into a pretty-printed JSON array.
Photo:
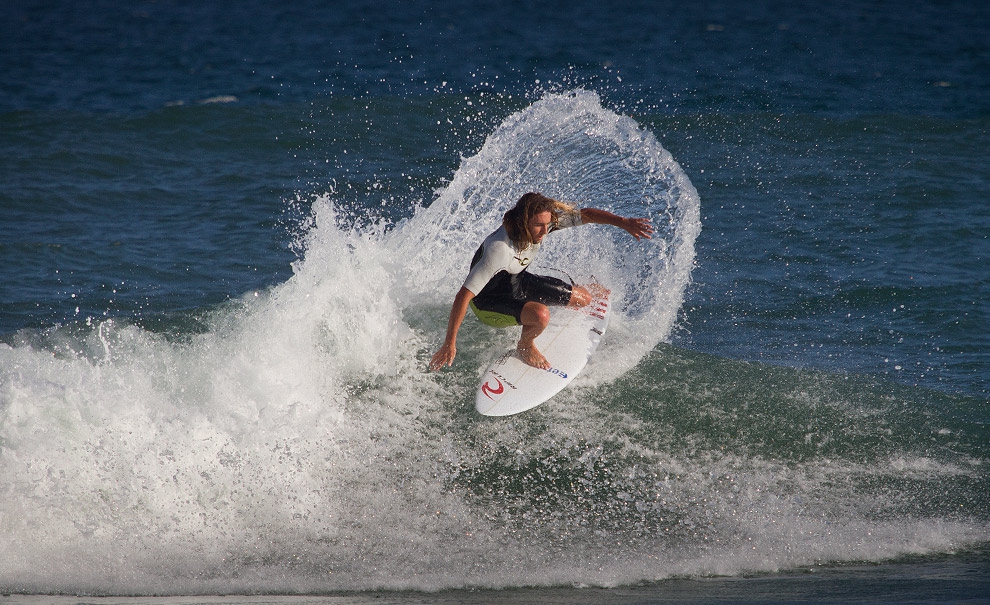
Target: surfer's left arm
[{"x": 636, "y": 227}]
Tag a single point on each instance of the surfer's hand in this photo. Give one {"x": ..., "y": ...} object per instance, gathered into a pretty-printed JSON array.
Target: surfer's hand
[
  {"x": 443, "y": 357},
  {"x": 638, "y": 227}
]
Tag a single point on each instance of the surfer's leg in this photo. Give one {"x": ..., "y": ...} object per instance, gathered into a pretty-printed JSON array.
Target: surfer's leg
[
  {"x": 534, "y": 318},
  {"x": 580, "y": 297}
]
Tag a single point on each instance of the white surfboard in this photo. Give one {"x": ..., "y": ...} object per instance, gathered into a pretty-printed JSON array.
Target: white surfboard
[{"x": 510, "y": 386}]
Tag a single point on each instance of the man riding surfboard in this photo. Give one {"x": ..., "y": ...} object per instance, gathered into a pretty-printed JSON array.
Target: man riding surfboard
[{"x": 500, "y": 290}]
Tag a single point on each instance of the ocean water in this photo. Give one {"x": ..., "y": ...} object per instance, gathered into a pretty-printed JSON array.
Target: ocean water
[{"x": 229, "y": 238}]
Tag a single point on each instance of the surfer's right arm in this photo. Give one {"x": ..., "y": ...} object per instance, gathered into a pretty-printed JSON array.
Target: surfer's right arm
[{"x": 445, "y": 356}]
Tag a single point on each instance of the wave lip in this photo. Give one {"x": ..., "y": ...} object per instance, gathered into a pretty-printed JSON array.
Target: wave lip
[{"x": 570, "y": 147}]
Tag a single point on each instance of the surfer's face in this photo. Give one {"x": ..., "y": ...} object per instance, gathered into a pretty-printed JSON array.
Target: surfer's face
[{"x": 539, "y": 226}]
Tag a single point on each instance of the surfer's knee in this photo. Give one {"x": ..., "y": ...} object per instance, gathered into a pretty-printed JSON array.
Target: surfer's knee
[
  {"x": 535, "y": 314},
  {"x": 580, "y": 297}
]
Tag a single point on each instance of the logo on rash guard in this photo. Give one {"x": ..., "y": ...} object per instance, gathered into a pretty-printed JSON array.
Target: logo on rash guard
[{"x": 489, "y": 391}]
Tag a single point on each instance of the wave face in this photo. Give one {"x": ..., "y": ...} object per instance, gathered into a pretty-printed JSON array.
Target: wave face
[{"x": 295, "y": 443}]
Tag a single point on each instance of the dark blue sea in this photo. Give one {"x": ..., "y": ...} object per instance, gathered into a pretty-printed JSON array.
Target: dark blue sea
[{"x": 230, "y": 234}]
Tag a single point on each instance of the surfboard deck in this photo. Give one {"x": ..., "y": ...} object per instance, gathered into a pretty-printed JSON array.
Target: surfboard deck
[{"x": 510, "y": 386}]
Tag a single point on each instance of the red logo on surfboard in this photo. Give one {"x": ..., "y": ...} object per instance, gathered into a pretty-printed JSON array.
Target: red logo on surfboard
[{"x": 489, "y": 391}]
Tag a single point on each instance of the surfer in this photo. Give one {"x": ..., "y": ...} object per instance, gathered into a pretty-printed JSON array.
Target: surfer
[{"x": 500, "y": 290}]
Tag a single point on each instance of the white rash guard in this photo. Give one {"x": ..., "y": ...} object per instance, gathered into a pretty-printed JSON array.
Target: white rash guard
[{"x": 498, "y": 254}]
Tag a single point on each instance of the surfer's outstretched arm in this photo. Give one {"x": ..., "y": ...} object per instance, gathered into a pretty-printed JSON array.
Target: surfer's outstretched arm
[
  {"x": 445, "y": 356},
  {"x": 636, "y": 227}
]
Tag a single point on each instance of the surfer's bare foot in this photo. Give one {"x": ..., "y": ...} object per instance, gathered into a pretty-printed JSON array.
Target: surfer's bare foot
[{"x": 531, "y": 356}]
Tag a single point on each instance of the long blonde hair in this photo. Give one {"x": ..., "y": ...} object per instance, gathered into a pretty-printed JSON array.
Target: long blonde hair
[{"x": 516, "y": 220}]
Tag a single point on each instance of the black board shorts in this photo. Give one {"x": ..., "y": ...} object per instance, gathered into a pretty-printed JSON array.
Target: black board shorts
[{"x": 501, "y": 301}]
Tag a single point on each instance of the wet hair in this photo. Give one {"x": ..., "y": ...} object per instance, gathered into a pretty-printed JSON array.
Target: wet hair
[{"x": 516, "y": 220}]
